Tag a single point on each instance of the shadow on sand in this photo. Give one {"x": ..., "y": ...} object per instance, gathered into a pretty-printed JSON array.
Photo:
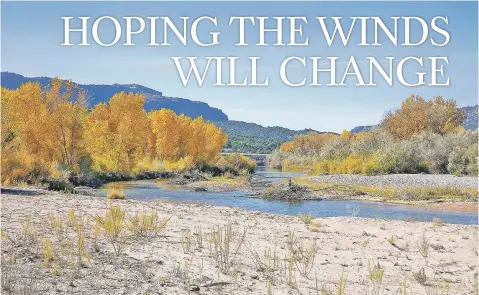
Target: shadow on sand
[{"x": 19, "y": 192}]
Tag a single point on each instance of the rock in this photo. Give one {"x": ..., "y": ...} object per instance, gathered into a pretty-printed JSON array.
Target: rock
[
  {"x": 194, "y": 288},
  {"x": 288, "y": 191},
  {"x": 184, "y": 179}
]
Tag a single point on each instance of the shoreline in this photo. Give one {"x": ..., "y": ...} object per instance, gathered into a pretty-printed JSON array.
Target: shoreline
[
  {"x": 325, "y": 191},
  {"x": 176, "y": 260},
  {"x": 347, "y": 192}
]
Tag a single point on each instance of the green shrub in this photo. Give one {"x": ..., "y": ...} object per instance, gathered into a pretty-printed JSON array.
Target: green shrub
[
  {"x": 463, "y": 160},
  {"x": 275, "y": 159},
  {"x": 376, "y": 152}
]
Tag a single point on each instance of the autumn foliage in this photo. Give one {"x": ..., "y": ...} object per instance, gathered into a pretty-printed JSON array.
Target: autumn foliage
[
  {"x": 422, "y": 136},
  {"x": 41, "y": 129},
  {"x": 416, "y": 115},
  {"x": 307, "y": 143},
  {"x": 116, "y": 134},
  {"x": 51, "y": 132}
]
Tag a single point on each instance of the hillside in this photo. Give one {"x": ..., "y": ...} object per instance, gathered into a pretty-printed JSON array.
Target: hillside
[
  {"x": 360, "y": 129},
  {"x": 154, "y": 99},
  {"x": 470, "y": 123},
  {"x": 254, "y": 138}
]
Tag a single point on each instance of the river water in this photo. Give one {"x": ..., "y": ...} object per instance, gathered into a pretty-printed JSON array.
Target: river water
[{"x": 154, "y": 190}]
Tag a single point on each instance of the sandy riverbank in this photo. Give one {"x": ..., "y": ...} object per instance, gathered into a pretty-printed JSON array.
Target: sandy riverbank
[
  {"x": 402, "y": 180},
  {"x": 272, "y": 257},
  {"x": 423, "y": 190}
]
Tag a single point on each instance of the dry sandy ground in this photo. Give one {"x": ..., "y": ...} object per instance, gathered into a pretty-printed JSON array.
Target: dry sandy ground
[{"x": 164, "y": 264}]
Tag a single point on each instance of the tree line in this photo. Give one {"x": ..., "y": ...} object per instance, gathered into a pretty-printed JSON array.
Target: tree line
[
  {"x": 422, "y": 136},
  {"x": 52, "y": 133}
]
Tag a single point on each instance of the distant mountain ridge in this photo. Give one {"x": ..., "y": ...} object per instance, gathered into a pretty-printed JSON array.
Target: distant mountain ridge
[
  {"x": 470, "y": 123},
  {"x": 360, "y": 129},
  {"x": 154, "y": 100}
]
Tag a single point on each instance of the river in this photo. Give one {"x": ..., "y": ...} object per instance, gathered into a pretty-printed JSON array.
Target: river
[{"x": 154, "y": 190}]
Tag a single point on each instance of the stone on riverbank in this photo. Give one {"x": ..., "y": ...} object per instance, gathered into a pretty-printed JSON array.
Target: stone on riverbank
[{"x": 288, "y": 191}]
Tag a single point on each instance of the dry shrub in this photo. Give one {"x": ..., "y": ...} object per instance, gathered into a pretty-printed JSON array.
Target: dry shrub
[
  {"x": 114, "y": 227},
  {"x": 147, "y": 224},
  {"x": 225, "y": 245}
]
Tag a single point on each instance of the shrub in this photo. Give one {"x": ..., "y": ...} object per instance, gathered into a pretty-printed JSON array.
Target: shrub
[
  {"x": 463, "y": 160},
  {"x": 352, "y": 165},
  {"x": 224, "y": 247},
  {"x": 116, "y": 191},
  {"x": 408, "y": 158},
  {"x": 236, "y": 164},
  {"x": 377, "y": 164},
  {"x": 326, "y": 167},
  {"x": 180, "y": 165},
  {"x": 337, "y": 148},
  {"x": 377, "y": 152},
  {"x": 113, "y": 225},
  {"x": 48, "y": 253},
  {"x": 308, "y": 144},
  {"x": 371, "y": 142},
  {"x": 434, "y": 150},
  {"x": 420, "y": 276},
  {"x": 306, "y": 218},
  {"x": 440, "y": 150},
  {"x": 423, "y": 246},
  {"x": 59, "y": 185},
  {"x": 303, "y": 255},
  {"x": 275, "y": 159},
  {"x": 376, "y": 273},
  {"x": 146, "y": 224}
]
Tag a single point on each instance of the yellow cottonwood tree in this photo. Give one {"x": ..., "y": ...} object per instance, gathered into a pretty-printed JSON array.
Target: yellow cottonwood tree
[
  {"x": 205, "y": 141},
  {"x": 27, "y": 145},
  {"x": 40, "y": 128},
  {"x": 180, "y": 137},
  {"x": 67, "y": 114},
  {"x": 215, "y": 140},
  {"x": 46, "y": 132},
  {"x": 167, "y": 133},
  {"x": 416, "y": 114},
  {"x": 117, "y": 134},
  {"x": 309, "y": 143}
]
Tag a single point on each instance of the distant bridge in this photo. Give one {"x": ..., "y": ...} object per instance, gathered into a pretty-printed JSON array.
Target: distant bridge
[{"x": 259, "y": 158}]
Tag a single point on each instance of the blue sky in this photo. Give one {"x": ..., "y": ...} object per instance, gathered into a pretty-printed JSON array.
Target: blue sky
[{"x": 33, "y": 31}]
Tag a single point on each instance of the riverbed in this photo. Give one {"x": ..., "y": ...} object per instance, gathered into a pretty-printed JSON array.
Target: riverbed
[
  {"x": 426, "y": 257},
  {"x": 327, "y": 207}
]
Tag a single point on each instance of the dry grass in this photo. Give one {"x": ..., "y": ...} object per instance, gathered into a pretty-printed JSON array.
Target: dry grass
[
  {"x": 302, "y": 253},
  {"x": 306, "y": 218},
  {"x": 114, "y": 227},
  {"x": 390, "y": 193},
  {"x": 125, "y": 250},
  {"x": 376, "y": 273},
  {"x": 147, "y": 224},
  {"x": 420, "y": 276},
  {"x": 423, "y": 246},
  {"x": 436, "y": 222},
  {"x": 225, "y": 245},
  {"x": 116, "y": 191},
  {"x": 187, "y": 241}
]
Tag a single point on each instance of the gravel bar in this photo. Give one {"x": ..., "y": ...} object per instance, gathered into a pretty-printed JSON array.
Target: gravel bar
[{"x": 402, "y": 180}]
